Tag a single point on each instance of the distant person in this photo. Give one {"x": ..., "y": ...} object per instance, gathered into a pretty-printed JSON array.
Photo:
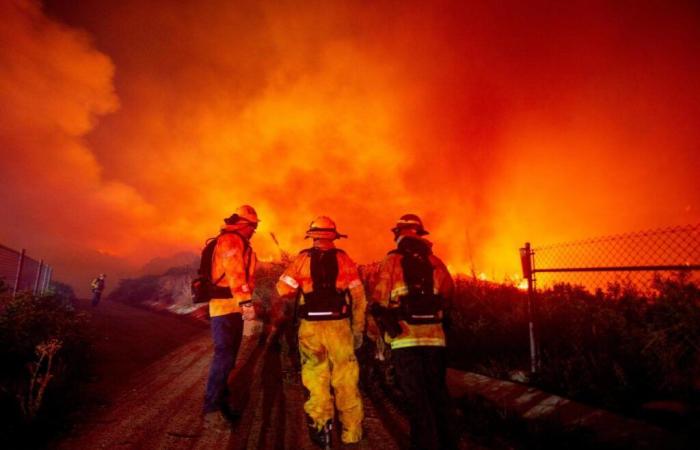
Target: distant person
[
  {"x": 232, "y": 268},
  {"x": 409, "y": 302},
  {"x": 331, "y": 308},
  {"x": 97, "y": 286}
]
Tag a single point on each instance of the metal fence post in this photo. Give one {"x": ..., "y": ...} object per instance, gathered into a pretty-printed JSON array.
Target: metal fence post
[
  {"x": 38, "y": 276},
  {"x": 526, "y": 261},
  {"x": 47, "y": 280},
  {"x": 18, "y": 277}
]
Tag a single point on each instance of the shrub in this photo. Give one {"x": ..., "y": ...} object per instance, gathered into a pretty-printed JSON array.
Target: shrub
[
  {"x": 45, "y": 349},
  {"x": 488, "y": 328},
  {"x": 619, "y": 347},
  {"x": 136, "y": 290},
  {"x": 62, "y": 290}
]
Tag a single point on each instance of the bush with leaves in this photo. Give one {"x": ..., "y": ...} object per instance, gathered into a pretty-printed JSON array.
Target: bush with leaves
[
  {"x": 488, "y": 329},
  {"x": 62, "y": 290},
  {"x": 137, "y": 290},
  {"x": 44, "y": 348},
  {"x": 619, "y": 347}
]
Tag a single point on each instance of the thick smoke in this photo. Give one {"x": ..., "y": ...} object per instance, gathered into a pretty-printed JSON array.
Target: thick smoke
[
  {"x": 498, "y": 123},
  {"x": 56, "y": 200}
]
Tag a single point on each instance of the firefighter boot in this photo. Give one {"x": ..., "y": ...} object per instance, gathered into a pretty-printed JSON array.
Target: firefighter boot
[{"x": 321, "y": 436}]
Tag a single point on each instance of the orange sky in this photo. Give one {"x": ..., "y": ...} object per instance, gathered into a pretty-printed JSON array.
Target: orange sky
[{"x": 129, "y": 129}]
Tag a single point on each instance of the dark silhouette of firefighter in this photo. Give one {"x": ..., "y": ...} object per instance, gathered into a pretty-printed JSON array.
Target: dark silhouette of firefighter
[
  {"x": 97, "y": 286},
  {"x": 409, "y": 304}
]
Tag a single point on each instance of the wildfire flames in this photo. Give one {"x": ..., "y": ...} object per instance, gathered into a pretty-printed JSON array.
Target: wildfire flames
[{"x": 128, "y": 130}]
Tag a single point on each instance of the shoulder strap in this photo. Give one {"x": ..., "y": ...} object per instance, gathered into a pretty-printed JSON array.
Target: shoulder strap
[
  {"x": 416, "y": 265},
  {"x": 324, "y": 268},
  {"x": 207, "y": 258}
]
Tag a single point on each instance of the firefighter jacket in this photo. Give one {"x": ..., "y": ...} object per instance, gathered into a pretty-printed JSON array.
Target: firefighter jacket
[
  {"x": 297, "y": 280},
  {"x": 235, "y": 260},
  {"x": 97, "y": 285},
  {"x": 391, "y": 286}
]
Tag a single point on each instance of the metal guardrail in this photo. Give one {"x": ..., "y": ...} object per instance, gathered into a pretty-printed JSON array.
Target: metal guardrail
[{"x": 23, "y": 273}]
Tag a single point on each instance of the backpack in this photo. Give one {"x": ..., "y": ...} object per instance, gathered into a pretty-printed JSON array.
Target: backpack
[
  {"x": 420, "y": 305},
  {"x": 203, "y": 288},
  {"x": 325, "y": 301}
]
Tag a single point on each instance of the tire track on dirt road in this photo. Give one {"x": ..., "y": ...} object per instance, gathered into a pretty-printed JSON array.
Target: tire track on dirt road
[
  {"x": 162, "y": 409},
  {"x": 144, "y": 409}
]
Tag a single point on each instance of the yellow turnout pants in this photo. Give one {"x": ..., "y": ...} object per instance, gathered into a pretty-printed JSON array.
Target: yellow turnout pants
[{"x": 328, "y": 359}]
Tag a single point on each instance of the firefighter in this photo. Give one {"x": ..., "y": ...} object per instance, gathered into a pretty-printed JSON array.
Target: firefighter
[
  {"x": 331, "y": 308},
  {"x": 409, "y": 303},
  {"x": 233, "y": 266},
  {"x": 97, "y": 286}
]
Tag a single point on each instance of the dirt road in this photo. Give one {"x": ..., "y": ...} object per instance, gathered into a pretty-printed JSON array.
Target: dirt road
[{"x": 160, "y": 408}]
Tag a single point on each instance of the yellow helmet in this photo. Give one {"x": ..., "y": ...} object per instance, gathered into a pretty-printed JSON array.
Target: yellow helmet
[
  {"x": 245, "y": 213},
  {"x": 323, "y": 227}
]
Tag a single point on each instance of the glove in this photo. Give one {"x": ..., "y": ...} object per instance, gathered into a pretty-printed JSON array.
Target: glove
[
  {"x": 357, "y": 340},
  {"x": 248, "y": 311}
]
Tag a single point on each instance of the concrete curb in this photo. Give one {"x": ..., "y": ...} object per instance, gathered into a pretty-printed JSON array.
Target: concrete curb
[{"x": 531, "y": 404}]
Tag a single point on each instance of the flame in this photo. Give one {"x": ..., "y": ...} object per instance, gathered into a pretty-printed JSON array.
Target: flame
[{"x": 473, "y": 116}]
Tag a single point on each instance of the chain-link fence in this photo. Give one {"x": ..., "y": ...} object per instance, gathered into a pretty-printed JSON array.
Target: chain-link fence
[
  {"x": 19, "y": 272},
  {"x": 635, "y": 261},
  {"x": 628, "y": 259}
]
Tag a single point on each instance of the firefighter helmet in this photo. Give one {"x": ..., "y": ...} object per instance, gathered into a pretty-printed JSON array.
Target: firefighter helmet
[
  {"x": 245, "y": 213},
  {"x": 323, "y": 227},
  {"x": 410, "y": 221}
]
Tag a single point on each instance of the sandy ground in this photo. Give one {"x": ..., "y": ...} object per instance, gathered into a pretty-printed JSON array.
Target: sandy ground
[{"x": 158, "y": 405}]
